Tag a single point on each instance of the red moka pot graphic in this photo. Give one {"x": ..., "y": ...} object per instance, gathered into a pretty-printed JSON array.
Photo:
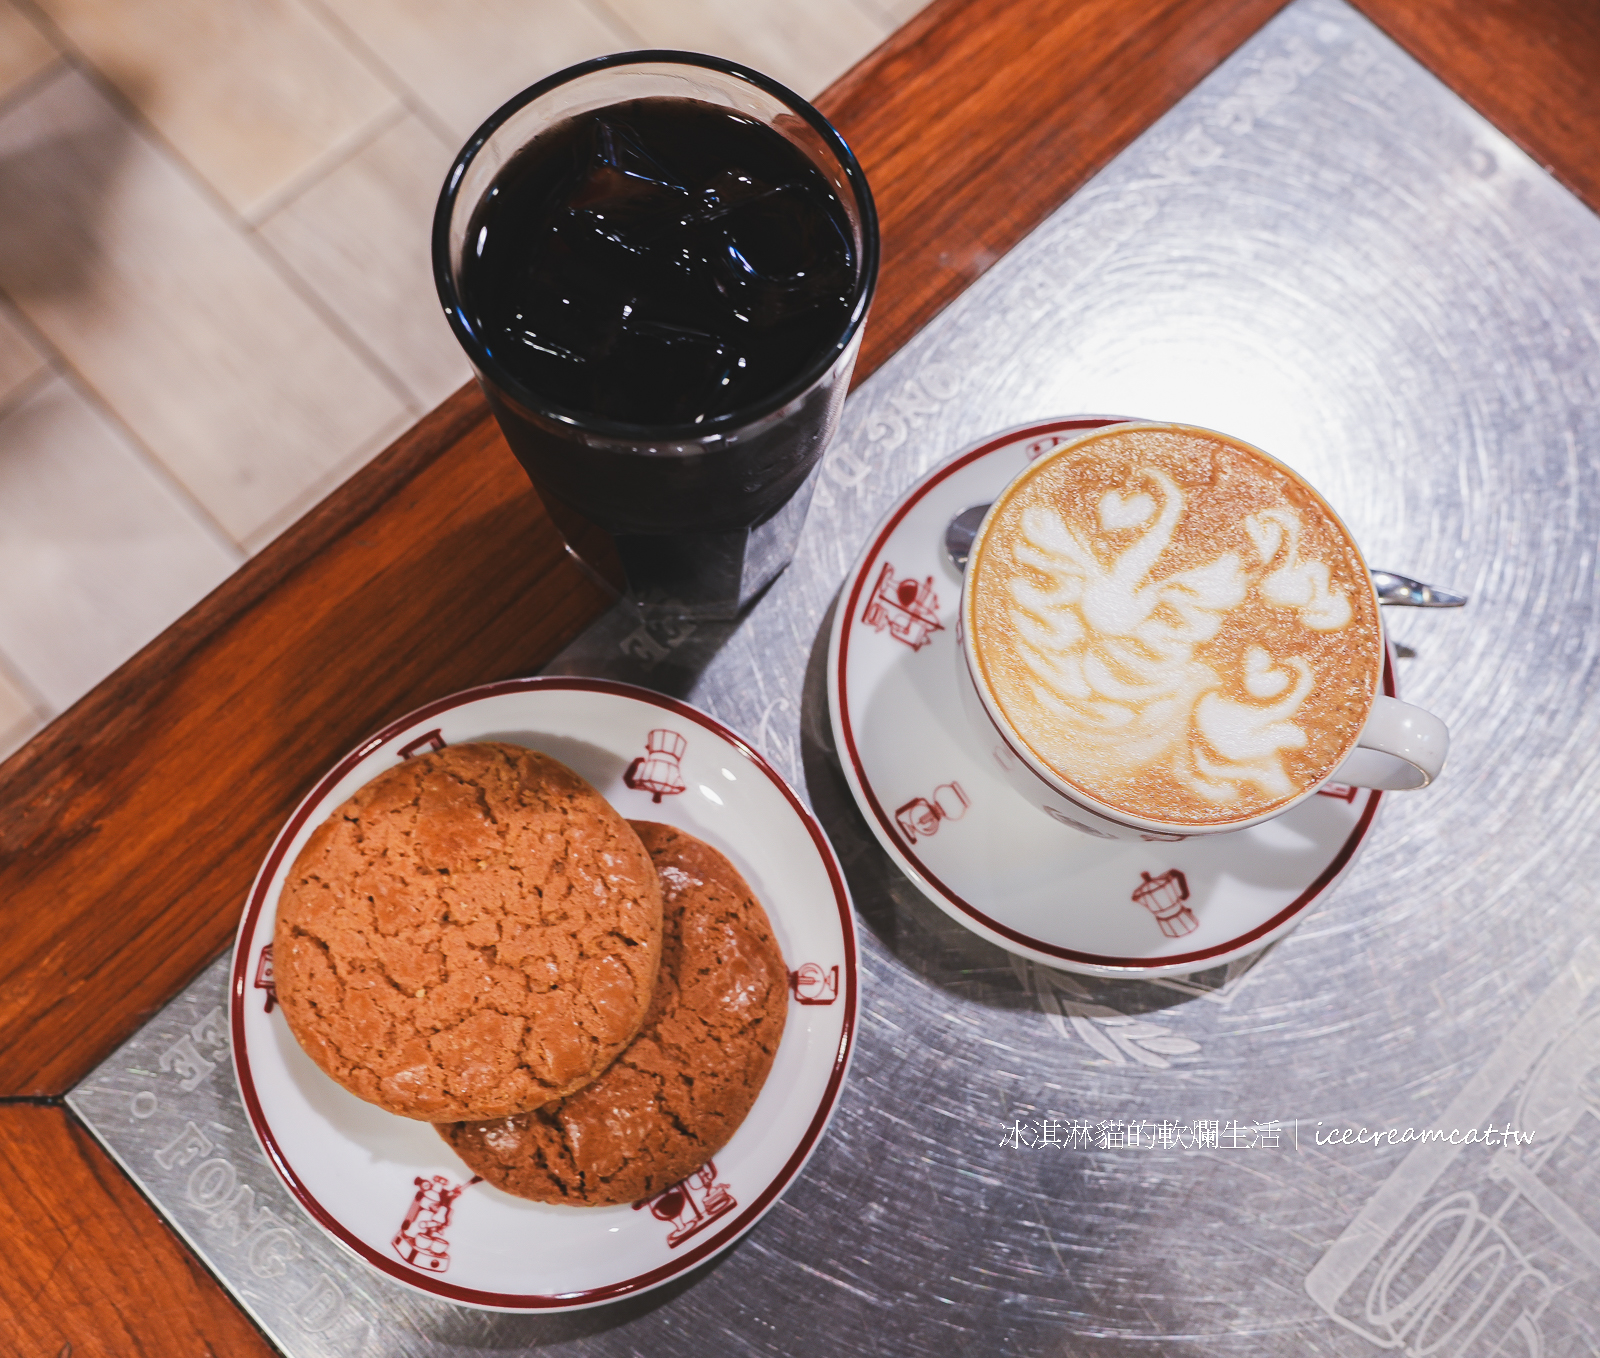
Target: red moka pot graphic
[
  {"x": 420, "y": 1240},
  {"x": 692, "y": 1205},
  {"x": 812, "y": 983},
  {"x": 908, "y": 609},
  {"x": 920, "y": 817},
  {"x": 1164, "y": 897},
  {"x": 264, "y": 977},
  {"x": 658, "y": 771}
]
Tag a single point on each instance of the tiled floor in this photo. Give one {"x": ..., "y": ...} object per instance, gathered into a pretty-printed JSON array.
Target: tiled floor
[{"x": 215, "y": 300}]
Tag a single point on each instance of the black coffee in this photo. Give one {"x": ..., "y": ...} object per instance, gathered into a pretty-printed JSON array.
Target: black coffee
[{"x": 658, "y": 262}]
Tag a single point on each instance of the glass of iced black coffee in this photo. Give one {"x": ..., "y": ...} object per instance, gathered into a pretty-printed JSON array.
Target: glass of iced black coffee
[{"x": 659, "y": 264}]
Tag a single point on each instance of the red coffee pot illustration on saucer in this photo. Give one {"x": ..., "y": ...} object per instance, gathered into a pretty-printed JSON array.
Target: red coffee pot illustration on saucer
[
  {"x": 908, "y": 608},
  {"x": 658, "y": 770},
  {"x": 1164, "y": 897}
]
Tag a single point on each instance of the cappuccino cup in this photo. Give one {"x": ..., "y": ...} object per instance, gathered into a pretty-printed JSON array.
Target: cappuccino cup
[{"x": 1170, "y": 633}]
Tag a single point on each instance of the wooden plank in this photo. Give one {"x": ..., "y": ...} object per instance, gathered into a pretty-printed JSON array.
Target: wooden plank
[{"x": 91, "y": 1267}]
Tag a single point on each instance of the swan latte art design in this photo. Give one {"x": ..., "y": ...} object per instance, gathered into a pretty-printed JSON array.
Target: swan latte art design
[{"x": 1175, "y": 623}]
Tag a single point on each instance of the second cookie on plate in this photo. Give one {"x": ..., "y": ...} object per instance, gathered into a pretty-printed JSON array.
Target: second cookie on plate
[{"x": 676, "y": 1096}]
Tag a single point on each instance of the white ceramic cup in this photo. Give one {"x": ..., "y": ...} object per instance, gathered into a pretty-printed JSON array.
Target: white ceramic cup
[{"x": 1400, "y": 746}]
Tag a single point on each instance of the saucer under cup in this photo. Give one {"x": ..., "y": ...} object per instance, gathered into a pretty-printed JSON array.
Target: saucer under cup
[{"x": 929, "y": 781}]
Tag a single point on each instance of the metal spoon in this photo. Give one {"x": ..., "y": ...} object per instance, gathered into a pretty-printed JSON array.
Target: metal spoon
[
  {"x": 1392, "y": 588},
  {"x": 960, "y": 531},
  {"x": 1401, "y": 589}
]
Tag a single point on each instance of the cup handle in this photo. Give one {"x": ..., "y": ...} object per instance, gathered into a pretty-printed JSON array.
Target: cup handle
[{"x": 1401, "y": 747}]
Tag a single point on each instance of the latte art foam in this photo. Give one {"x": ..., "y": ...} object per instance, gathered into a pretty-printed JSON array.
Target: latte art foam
[{"x": 1175, "y": 624}]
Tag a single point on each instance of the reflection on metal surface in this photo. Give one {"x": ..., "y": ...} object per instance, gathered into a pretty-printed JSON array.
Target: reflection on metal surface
[
  {"x": 1322, "y": 252},
  {"x": 1448, "y": 1275},
  {"x": 167, "y": 1107},
  {"x": 1068, "y": 1005}
]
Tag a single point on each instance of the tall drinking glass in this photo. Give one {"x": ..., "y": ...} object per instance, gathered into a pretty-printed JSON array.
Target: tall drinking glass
[{"x": 691, "y": 506}]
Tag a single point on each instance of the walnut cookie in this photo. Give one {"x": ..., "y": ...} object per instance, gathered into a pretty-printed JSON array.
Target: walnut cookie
[
  {"x": 473, "y": 934},
  {"x": 677, "y": 1095}
]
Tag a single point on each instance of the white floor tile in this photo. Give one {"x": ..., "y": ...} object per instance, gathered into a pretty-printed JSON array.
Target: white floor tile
[
  {"x": 172, "y": 315},
  {"x": 250, "y": 92},
  {"x": 359, "y": 237},
  {"x": 24, "y": 50},
  {"x": 20, "y": 362},
  {"x": 18, "y": 717},
  {"x": 806, "y": 47},
  {"x": 898, "y": 11},
  {"x": 464, "y": 58},
  {"x": 331, "y": 477},
  {"x": 97, "y": 552}
]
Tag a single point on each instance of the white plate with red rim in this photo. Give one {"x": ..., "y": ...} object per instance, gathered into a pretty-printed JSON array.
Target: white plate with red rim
[
  {"x": 389, "y": 1189},
  {"x": 928, "y": 784}
]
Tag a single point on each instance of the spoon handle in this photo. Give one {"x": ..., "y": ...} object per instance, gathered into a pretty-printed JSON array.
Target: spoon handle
[{"x": 1401, "y": 589}]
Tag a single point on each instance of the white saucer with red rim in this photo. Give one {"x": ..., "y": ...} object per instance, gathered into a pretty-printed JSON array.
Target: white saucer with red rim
[
  {"x": 927, "y": 782},
  {"x": 390, "y": 1191}
]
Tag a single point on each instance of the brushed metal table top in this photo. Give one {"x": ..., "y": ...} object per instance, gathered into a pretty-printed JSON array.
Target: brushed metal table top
[{"x": 1322, "y": 251}]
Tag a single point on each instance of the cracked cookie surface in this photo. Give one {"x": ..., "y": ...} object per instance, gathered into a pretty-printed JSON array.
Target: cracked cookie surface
[
  {"x": 676, "y": 1096},
  {"x": 473, "y": 934}
]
